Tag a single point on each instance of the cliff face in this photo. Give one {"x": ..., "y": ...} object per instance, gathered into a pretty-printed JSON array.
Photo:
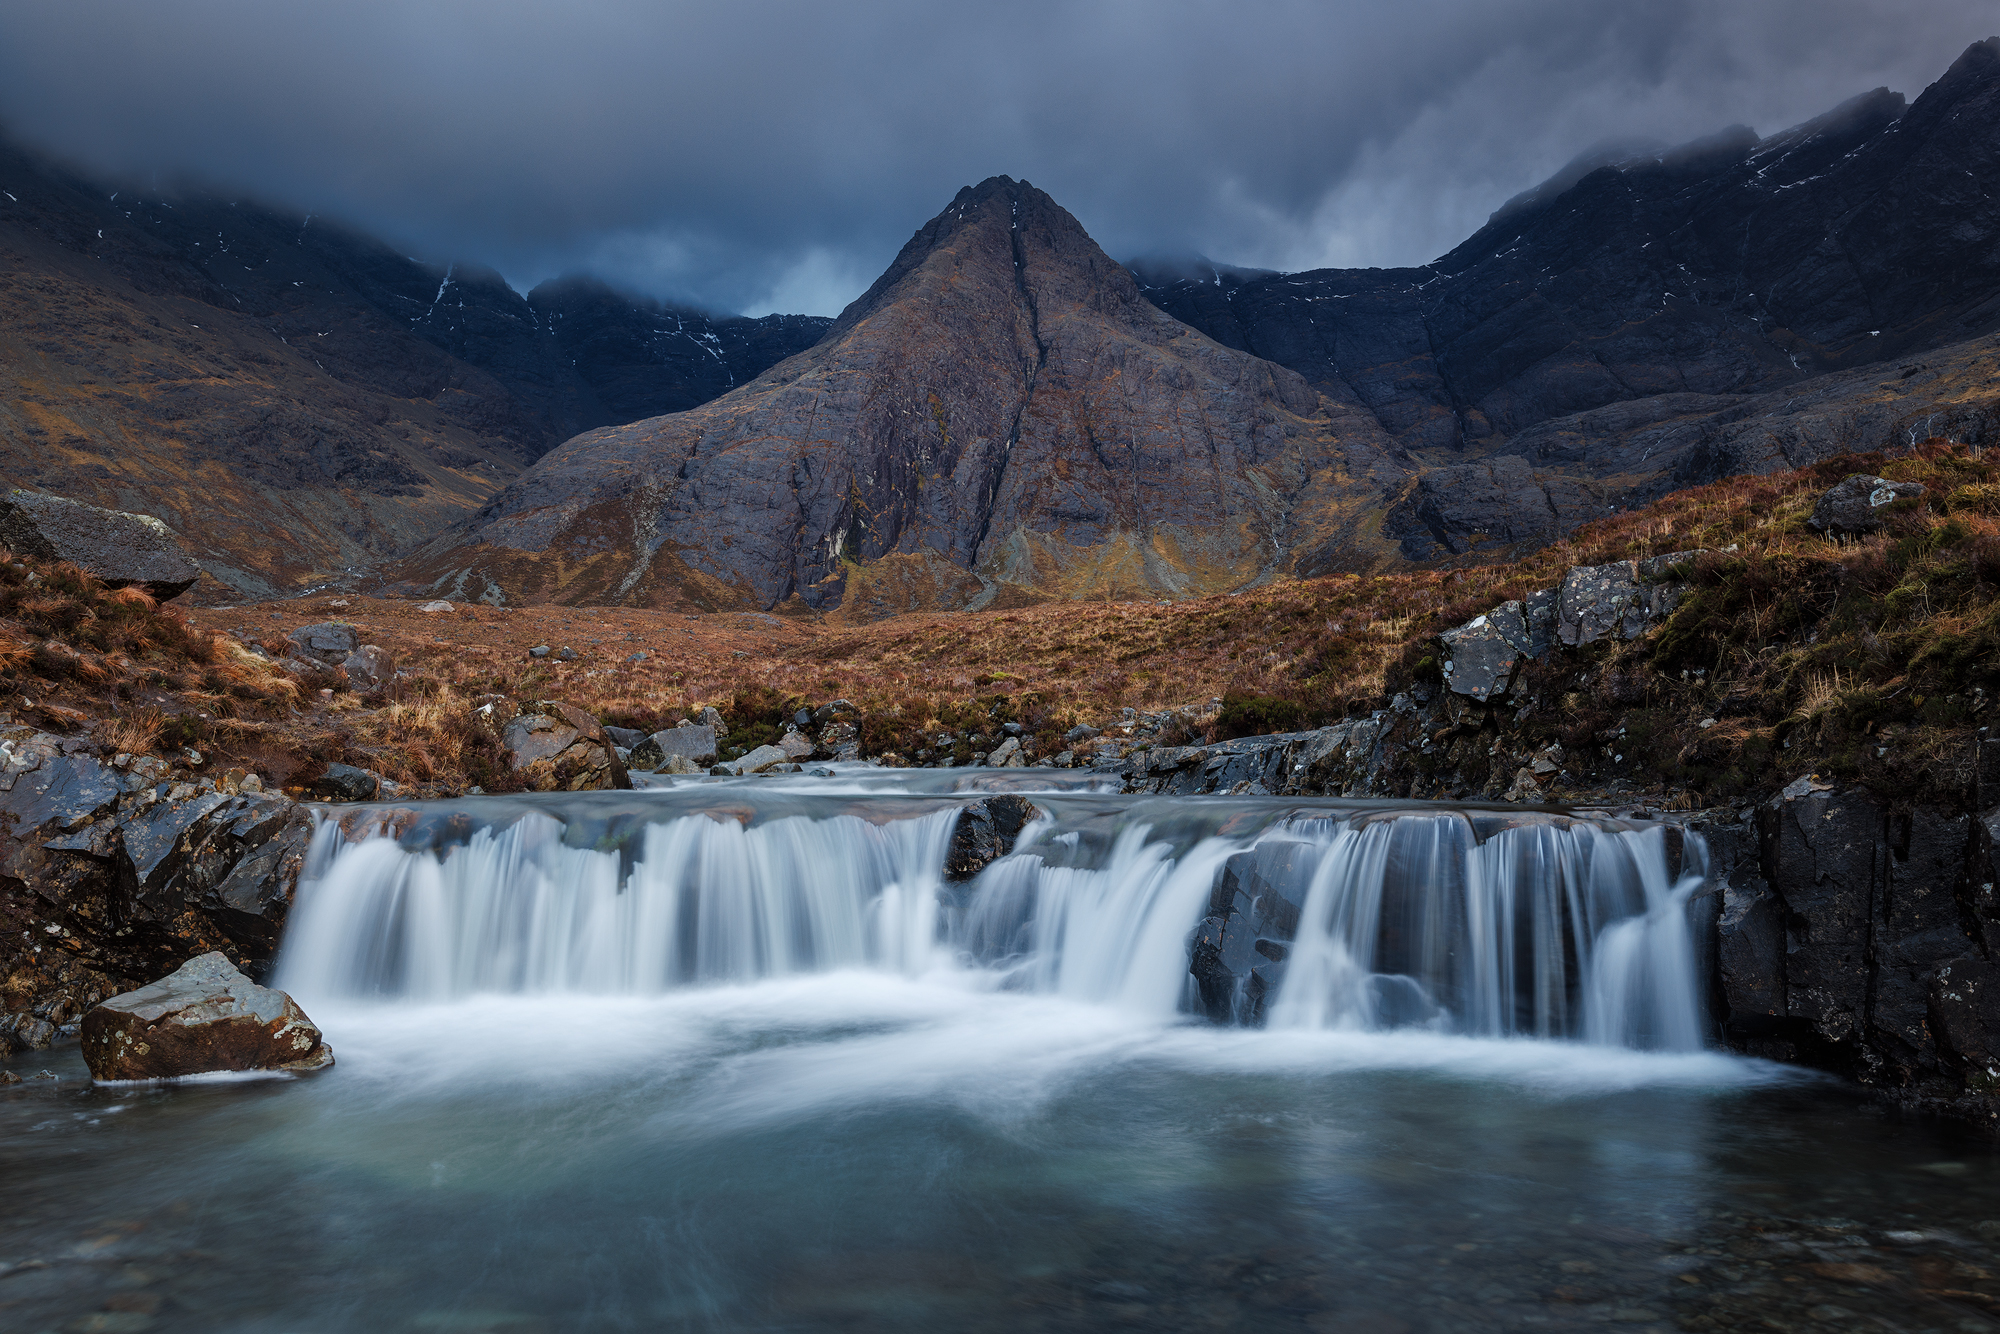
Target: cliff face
[
  {"x": 1002, "y": 413},
  {"x": 297, "y": 399}
]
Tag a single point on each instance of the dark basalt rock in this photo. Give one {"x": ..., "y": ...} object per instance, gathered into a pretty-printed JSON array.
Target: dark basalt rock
[
  {"x": 1858, "y": 503},
  {"x": 344, "y": 782},
  {"x": 1858, "y": 939},
  {"x": 985, "y": 832},
  {"x": 205, "y": 1016},
  {"x": 124, "y": 550}
]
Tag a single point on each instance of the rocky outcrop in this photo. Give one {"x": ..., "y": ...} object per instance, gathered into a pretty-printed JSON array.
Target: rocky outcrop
[
  {"x": 1859, "y": 939},
  {"x": 123, "y": 550},
  {"x": 115, "y": 870},
  {"x": 557, "y": 747},
  {"x": 1857, "y": 504},
  {"x": 1002, "y": 408},
  {"x": 203, "y": 1017}
]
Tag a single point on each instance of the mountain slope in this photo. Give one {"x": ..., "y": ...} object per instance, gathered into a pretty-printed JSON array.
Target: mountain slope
[
  {"x": 1621, "y": 322},
  {"x": 296, "y": 398},
  {"x": 1002, "y": 413}
]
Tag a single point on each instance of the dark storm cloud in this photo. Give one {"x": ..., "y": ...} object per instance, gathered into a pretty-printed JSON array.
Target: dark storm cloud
[{"x": 776, "y": 155}]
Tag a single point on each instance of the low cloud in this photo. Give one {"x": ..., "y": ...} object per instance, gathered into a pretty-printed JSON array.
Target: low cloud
[{"x": 749, "y": 156}]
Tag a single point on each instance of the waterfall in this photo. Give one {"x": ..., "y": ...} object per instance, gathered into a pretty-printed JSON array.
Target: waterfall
[{"x": 1313, "y": 916}]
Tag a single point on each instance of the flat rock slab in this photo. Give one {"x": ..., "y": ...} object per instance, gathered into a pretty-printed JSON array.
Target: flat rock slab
[
  {"x": 206, "y": 1016},
  {"x": 121, "y": 549}
]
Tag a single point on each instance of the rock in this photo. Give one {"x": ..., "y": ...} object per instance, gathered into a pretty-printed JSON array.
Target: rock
[
  {"x": 344, "y": 782},
  {"x": 839, "y": 739},
  {"x": 985, "y": 832},
  {"x": 435, "y": 608},
  {"x": 758, "y": 760},
  {"x": 832, "y": 709},
  {"x": 369, "y": 668},
  {"x": 692, "y": 742},
  {"x": 1007, "y": 755},
  {"x": 1857, "y": 503},
  {"x": 627, "y": 737},
  {"x": 328, "y": 644},
  {"x": 796, "y": 745},
  {"x": 564, "y": 654},
  {"x": 205, "y": 1016},
  {"x": 557, "y": 747},
  {"x": 1599, "y": 602},
  {"x": 539, "y": 651},
  {"x": 1082, "y": 732},
  {"x": 1481, "y": 661},
  {"x": 679, "y": 764},
  {"x": 710, "y": 716},
  {"x": 121, "y": 549}
]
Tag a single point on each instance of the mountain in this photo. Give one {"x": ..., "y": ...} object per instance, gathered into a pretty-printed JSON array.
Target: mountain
[
  {"x": 1002, "y": 415},
  {"x": 297, "y": 398},
  {"x": 1629, "y": 320}
]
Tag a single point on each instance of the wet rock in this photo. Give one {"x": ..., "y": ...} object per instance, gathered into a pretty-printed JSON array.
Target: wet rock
[
  {"x": 1242, "y": 944},
  {"x": 344, "y": 782},
  {"x": 121, "y": 549},
  {"x": 692, "y": 742},
  {"x": 327, "y": 644},
  {"x": 986, "y": 831},
  {"x": 205, "y": 1016},
  {"x": 369, "y": 667},
  {"x": 1858, "y": 503},
  {"x": 557, "y": 747}
]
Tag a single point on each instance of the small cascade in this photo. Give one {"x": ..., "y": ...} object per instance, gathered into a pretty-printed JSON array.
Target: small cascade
[{"x": 1288, "y": 915}]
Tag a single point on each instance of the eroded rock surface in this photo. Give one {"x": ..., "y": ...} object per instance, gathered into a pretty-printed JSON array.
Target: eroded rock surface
[
  {"x": 124, "y": 550},
  {"x": 205, "y": 1016}
]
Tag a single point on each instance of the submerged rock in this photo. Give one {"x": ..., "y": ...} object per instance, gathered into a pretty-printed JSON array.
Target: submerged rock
[
  {"x": 121, "y": 549},
  {"x": 205, "y": 1016}
]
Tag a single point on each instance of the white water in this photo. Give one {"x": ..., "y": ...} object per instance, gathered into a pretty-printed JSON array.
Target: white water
[{"x": 1553, "y": 929}]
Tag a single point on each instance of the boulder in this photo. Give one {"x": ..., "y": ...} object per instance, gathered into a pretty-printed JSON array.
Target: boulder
[
  {"x": 692, "y": 742},
  {"x": 369, "y": 667},
  {"x": 839, "y": 739},
  {"x": 1856, "y": 504},
  {"x": 1006, "y": 755},
  {"x": 986, "y": 831},
  {"x": 711, "y": 717},
  {"x": 205, "y": 1016},
  {"x": 557, "y": 747},
  {"x": 435, "y": 608},
  {"x": 757, "y": 761},
  {"x": 796, "y": 745},
  {"x": 328, "y": 644},
  {"x": 344, "y": 782},
  {"x": 121, "y": 549}
]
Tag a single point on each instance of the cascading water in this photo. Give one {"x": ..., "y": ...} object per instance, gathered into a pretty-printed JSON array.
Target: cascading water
[{"x": 1295, "y": 917}]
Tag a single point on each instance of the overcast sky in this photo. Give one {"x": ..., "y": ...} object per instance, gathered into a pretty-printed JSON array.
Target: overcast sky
[{"x": 774, "y": 156}]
